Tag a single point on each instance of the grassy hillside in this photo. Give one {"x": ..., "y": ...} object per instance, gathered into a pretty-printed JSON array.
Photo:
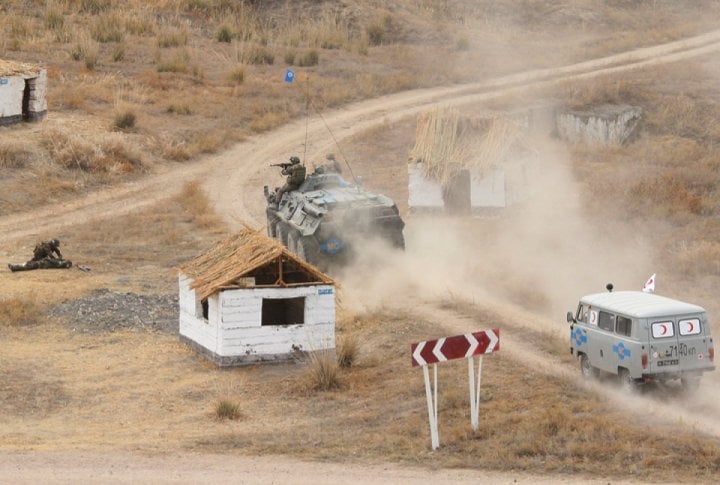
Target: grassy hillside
[{"x": 133, "y": 84}]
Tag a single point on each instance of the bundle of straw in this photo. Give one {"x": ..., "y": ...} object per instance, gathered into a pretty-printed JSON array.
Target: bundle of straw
[
  {"x": 446, "y": 143},
  {"x": 12, "y": 68}
]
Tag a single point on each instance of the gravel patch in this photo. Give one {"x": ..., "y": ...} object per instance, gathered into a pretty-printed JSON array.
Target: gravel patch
[{"x": 105, "y": 310}]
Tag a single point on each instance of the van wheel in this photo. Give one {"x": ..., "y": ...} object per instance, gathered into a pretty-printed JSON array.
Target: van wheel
[
  {"x": 626, "y": 381},
  {"x": 690, "y": 384},
  {"x": 588, "y": 371}
]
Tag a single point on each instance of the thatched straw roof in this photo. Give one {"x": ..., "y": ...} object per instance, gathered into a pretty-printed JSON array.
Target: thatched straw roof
[
  {"x": 242, "y": 254},
  {"x": 447, "y": 142},
  {"x": 12, "y": 68}
]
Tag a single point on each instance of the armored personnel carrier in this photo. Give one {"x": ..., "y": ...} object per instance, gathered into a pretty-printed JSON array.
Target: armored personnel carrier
[{"x": 326, "y": 220}]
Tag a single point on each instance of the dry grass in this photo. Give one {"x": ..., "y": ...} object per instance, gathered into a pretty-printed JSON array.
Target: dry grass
[
  {"x": 227, "y": 409},
  {"x": 20, "y": 311},
  {"x": 446, "y": 142},
  {"x": 15, "y": 154},
  {"x": 322, "y": 372},
  {"x": 109, "y": 154},
  {"x": 169, "y": 50},
  {"x": 197, "y": 206},
  {"x": 348, "y": 351}
]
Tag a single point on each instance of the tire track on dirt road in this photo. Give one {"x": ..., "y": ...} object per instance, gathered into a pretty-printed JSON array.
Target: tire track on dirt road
[{"x": 232, "y": 180}]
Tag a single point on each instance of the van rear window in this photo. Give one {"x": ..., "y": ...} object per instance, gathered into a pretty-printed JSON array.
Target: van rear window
[
  {"x": 663, "y": 330},
  {"x": 689, "y": 327}
]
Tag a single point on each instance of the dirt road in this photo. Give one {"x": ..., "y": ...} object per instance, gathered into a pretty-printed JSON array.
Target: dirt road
[
  {"x": 233, "y": 181},
  {"x": 71, "y": 468},
  {"x": 234, "y": 178}
]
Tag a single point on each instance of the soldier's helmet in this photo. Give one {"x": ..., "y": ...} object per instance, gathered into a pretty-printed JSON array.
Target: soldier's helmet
[
  {"x": 54, "y": 243},
  {"x": 294, "y": 160}
]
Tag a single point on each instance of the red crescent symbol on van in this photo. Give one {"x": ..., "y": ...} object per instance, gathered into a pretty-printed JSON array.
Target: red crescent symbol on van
[
  {"x": 664, "y": 329},
  {"x": 692, "y": 326}
]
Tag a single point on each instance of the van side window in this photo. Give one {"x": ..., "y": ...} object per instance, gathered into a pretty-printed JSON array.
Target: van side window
[
  {"x": 663, "y": 329},
  {"x": 623, "y": 326},
  {"x": 606, "y": 321},
  {"x": 582, "y": 313}
]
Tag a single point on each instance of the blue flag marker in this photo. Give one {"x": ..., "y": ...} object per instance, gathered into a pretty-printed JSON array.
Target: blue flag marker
[{"x": 289, "y": 76}]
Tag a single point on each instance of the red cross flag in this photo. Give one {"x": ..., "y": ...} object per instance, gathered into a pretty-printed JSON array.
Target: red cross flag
[{"x": 650, "y": 285}]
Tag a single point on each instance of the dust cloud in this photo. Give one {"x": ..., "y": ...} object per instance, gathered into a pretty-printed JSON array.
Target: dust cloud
[
  {"x": 538, "y": 257},
  {"x": 541, "y": 253}
]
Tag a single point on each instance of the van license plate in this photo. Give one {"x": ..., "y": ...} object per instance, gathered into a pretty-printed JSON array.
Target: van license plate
[{"x": 662, "y": 363}]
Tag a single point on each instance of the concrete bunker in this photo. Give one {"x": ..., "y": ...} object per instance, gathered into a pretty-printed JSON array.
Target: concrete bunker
[
  {"x": 248, "y": 299},
  {"x": 607, "y": 124}
]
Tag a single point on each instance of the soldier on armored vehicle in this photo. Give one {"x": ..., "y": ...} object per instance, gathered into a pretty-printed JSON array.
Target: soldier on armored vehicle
[
  {"x": 325, "y": 219},
  {"x": 295, "y": 172},
  {"x": 330, "y": 166}
]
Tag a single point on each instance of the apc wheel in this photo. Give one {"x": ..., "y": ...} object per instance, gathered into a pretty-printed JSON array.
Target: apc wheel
[
  {"x": 309, "y": 250},
  {"x": 627, "y": 383},
  {"x": 588, "y": 371},
  {"x": 397, "y": 239}
]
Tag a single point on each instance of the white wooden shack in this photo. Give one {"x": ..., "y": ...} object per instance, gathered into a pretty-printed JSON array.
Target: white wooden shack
[
  {"x": 468, "y": 164},
  {"x": 249, "y": 299},
  {"x": 23, "y": 89}
]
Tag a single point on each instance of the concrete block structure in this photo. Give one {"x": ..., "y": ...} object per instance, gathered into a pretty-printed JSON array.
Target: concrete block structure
[
  {"x": 250, "y": 300},
  {"x": 607, "y": 124},
  {"x": 23, "y": 91}
]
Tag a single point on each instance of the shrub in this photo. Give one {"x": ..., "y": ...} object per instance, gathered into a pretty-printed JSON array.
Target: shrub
[
  {"x": 237, "y": 75},
  {"x": 173, "y": 37},
  {"x": 14, "y": 155},
  {"x": 124, "y": 121},
  {"x": 54, "y": 19},
  {"x": 180, "y": 109},
  {"x": 347, "y": 352},
  {"x": 258, "y": 54},
  {"x": 20, "y": 311},
  {"x": 462, "y": 44},
  {"x": 310, "y": 58},
  {"x": 323, "y": 372},
  {"x": 118, "y": 53},
  {"x": 227, "y": 409},
  {"x": 179, "y": 62},
  {"x": 290, "y": 57},
  {"x": 94, "y": 6},
  {"x": 225, "y": 34},
  {"x": 108, "y": 28},
  {"x": 375, "y": 33}
]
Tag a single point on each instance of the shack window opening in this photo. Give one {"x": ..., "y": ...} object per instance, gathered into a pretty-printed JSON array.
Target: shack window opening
[
  {"x": 283, "y": 311},
  {"x": 623, "y": 326},
  {"x": 204, "y": 304},
  {"x": 606, "y": 321}
]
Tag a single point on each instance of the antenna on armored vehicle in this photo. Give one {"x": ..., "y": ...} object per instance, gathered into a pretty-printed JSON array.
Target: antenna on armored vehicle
[{"x": 339, "y": 149}]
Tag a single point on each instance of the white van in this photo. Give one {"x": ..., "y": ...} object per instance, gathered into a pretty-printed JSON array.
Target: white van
[{"x": 641, "y": 337}]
